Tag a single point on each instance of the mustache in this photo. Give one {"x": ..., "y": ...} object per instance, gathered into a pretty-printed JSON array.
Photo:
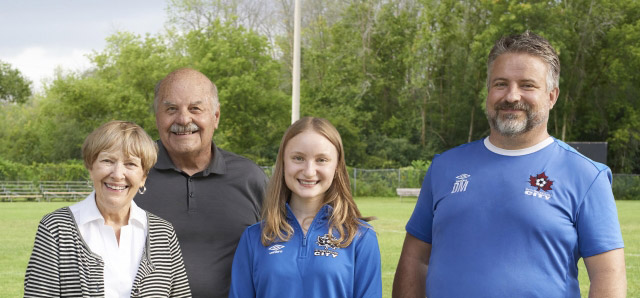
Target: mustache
[
  {"x": 177, "y": 128},
  {"x": 513, "y": 106}
]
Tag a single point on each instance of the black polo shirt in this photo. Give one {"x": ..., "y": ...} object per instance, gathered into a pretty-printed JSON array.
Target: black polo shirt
[{"x": 209, "y": 212}]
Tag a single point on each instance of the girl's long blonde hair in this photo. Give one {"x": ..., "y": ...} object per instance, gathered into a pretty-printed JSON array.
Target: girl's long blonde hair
[{"x": 345, "y": 216}]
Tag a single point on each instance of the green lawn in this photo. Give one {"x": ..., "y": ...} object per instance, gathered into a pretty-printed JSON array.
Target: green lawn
[{"x": 19, "y": 222}]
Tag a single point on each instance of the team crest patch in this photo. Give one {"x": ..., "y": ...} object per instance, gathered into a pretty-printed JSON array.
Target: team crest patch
[
  {"x": 327, "y": 243},
  {"x": 542, "y": 183},
  {"x": 276, "y": 249}
]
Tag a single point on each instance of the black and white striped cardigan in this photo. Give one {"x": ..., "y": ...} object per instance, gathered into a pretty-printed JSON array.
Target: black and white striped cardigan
[{"x": 62, "y": 265}]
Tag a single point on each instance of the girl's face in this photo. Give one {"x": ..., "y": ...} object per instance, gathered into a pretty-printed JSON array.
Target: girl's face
[{"x": 310, "y": 162}]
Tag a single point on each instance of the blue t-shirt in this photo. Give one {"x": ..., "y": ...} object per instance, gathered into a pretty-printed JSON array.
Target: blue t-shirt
[
  {"x": 306, "y": 266},
  {"x": 513, "y": 223}
]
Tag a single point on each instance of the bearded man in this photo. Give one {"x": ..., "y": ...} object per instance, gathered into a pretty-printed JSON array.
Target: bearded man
[{"x": 510, "y": 215}]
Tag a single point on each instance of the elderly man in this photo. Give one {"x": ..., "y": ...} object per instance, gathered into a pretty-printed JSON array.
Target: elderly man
[
  {"x": 511, "y": 215},
  {"x": 208, "y": 194}
]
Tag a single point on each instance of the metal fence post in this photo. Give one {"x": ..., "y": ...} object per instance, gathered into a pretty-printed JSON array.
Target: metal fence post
[{"x": 355, "y": 181}]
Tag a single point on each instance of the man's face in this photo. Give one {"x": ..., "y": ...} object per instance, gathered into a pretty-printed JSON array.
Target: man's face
[
  {"x": 185, "y": 117},
  {"x": 518, "y": 100}
]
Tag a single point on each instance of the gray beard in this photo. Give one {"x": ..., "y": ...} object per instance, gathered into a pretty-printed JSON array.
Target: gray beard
[{"x": 512, "y": 125}]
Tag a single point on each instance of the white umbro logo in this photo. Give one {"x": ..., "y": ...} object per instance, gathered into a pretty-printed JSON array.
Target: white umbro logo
[
  {"x": 461, "y": 183},
  {"x": 276, "y": 249}
]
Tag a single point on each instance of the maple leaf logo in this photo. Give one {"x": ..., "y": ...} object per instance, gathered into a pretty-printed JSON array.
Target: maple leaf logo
[{"x": 541, "y": 181}]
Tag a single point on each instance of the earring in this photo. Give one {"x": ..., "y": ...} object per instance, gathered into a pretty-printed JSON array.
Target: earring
[{"x": 142, "y": 190}]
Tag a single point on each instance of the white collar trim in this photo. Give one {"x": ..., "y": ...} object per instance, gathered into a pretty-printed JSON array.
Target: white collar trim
[
  {"x": 87, "y": 211},
  {"x": 518, "y": 152}
]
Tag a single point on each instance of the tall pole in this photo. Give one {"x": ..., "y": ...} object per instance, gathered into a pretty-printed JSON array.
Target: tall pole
[{"x": 295, "y": 93}]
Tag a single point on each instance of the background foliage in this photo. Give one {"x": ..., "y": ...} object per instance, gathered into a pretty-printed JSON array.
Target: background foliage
[
  {"x": 402, "y": 80},
  {"x": 13, "y": 86}
]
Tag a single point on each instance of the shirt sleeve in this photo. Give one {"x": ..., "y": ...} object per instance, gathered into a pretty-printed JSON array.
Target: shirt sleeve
[
  {"x": 42, "y": 278},
  {"x": 242, "y": 269},
  {"x": 597, "y": 218},
  {"x": 367, "y": 279},
  {"x": 180, "y": 283},
  {"x": 421, "y": 220},
  {"x": 257, "y": 189}
]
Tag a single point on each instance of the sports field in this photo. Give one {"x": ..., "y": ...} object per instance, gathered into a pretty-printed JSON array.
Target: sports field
[{"x": 19, "y": 222}]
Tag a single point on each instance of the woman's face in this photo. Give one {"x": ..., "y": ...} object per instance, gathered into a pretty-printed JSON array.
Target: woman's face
[
  {"x": 116, "y": 179},
  {"x": 310, "y": 162}
]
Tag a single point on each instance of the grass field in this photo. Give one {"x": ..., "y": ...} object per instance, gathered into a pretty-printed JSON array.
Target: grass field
[{"x": 20, "y": 220}]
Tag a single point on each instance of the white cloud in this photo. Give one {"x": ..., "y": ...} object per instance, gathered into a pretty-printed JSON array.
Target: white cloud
[
  {"x": 40, "y": 35},
  {"x": 38, "y": 64}
]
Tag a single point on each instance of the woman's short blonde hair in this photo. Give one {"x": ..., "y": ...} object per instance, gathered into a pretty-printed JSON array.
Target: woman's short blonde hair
[{"x": 126, "y": 136}]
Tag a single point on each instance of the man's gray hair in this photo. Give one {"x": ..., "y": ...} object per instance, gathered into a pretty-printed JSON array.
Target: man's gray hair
[{"x": 532, "y": 44}]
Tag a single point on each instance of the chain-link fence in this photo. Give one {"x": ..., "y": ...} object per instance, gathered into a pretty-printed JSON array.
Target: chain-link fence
[
  {"x": 364, "y": 183},
  {"x": 378, "y": 182},
  {"x": 384, "y": 182}
]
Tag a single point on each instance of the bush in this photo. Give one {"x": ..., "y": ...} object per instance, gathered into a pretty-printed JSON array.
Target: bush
[
  {"x": 72, "y": 170},
  {"x": 626, "y": 187},
  {"x": 15, "y": 171},
  {"x": 383, "y": 182},
  {"x": 364, "y": 182}
]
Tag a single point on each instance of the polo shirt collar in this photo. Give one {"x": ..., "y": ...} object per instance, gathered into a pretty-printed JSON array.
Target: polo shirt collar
[
  {"x": 216, "y": 166},
  {"x": 87, "y": 211},
  {"x": 138, "y": 215}
]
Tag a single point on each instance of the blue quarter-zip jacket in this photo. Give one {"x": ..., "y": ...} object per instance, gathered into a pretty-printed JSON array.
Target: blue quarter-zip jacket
[{"x": 307, "y": 266}]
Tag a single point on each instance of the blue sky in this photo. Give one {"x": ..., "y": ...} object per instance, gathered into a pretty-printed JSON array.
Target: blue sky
[{"x": 36, "y": 36}]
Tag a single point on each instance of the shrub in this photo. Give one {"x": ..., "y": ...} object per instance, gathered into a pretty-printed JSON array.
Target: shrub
[
  {"x": 626, "y": 187},
  {"x": 72, "y": 170}
]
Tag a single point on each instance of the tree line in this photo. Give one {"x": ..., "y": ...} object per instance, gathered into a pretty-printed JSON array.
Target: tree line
[{"x": 401, "y": 80}]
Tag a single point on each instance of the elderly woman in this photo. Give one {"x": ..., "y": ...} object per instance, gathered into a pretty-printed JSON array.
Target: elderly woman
[{"x": 105, "y": 245}]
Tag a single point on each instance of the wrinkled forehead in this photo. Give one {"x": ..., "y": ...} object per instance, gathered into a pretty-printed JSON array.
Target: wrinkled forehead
[{"x": 185, "y": 84}]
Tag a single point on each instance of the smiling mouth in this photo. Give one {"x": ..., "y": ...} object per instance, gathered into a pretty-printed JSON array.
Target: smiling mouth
[
  {"x": 308, "y": 182},
  {"x": 511, "y": 112},
  {"x": 185, "y": 133},
  {"x": 181, "y": 130},
  {"x": 116, "y": 187}
]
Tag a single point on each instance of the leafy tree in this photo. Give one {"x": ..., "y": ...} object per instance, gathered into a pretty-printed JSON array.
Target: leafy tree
[
  {"x": 120, "y": 85},
  {"x": 613, "y": 112},
  {"x": 254, "y": 111},
  {"x": 401, "y": 80},
  {"x": 14, "y": 87}
]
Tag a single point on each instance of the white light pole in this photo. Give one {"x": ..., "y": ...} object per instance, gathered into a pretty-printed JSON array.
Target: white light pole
[{"x": 295, "y": 92}]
